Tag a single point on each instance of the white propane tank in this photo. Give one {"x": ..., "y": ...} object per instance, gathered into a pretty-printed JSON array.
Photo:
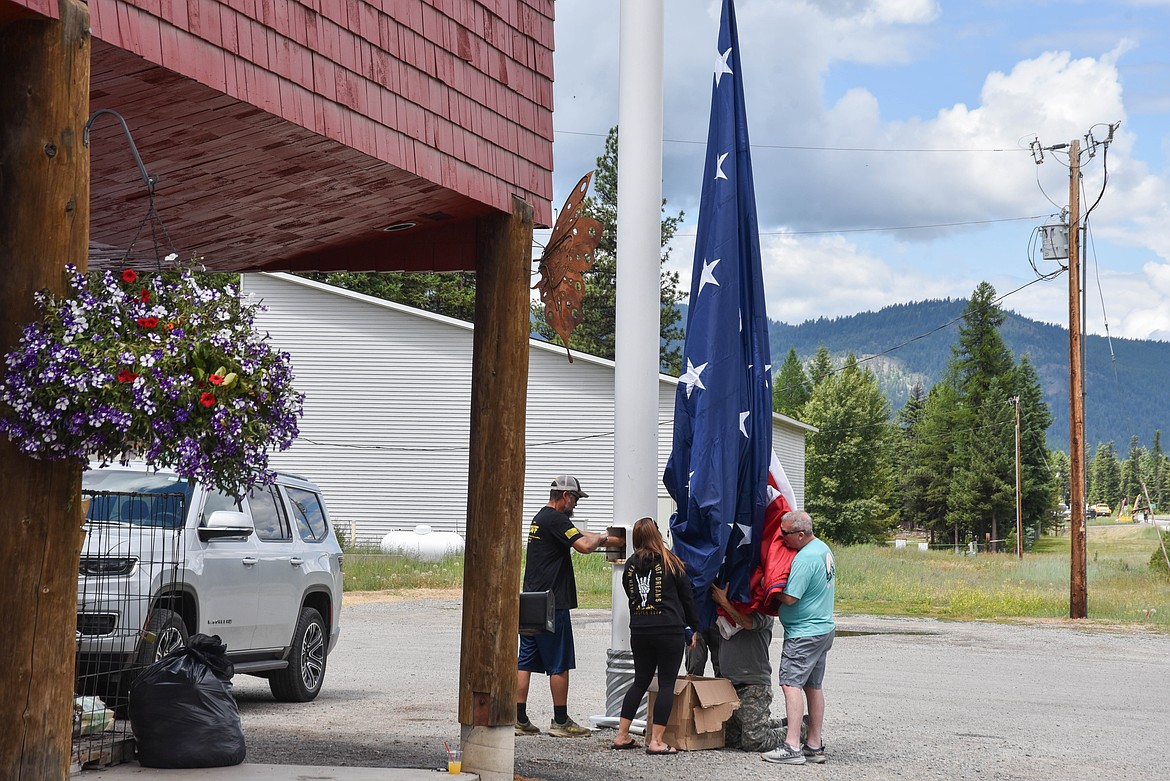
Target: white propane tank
[{"x": 423, "y": 543}]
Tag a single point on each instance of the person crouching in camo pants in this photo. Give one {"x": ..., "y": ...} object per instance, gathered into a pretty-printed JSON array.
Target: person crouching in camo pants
[{"x": 743, "y": 660}]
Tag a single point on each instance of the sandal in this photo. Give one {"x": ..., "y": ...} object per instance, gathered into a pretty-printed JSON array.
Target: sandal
[
  {"x": 664, "y": 752},
  {"x": 624, "y": 746}
]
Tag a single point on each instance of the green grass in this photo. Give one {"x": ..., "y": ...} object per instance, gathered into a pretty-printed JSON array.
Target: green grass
[
  {"x": 367, "y": 571},
  {"x": 882, "y": 580}
]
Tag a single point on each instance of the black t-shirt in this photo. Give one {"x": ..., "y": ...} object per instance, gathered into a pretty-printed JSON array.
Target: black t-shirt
[{"x": 549, "y": 564}]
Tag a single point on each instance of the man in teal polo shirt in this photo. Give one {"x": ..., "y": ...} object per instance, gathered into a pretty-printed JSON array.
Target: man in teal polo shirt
[{"x": 806, "y": 611}]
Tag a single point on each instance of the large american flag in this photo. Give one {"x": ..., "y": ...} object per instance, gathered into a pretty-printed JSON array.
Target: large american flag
[{"x": 719, "y": 466}]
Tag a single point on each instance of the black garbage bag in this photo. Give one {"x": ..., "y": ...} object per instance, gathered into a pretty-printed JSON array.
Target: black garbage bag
[{"x": 182, "y": 712}]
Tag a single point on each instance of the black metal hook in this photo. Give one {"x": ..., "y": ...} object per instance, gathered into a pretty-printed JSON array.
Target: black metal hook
[{"x": 149, "y": 179}]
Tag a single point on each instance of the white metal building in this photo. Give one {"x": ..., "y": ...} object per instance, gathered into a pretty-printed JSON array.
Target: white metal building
[{"x": 387, "y": 408}]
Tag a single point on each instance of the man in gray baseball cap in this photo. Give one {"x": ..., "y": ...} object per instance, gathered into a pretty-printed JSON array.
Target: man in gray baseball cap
[
  {"x": 569, "y": 483},
  {"x": 549, "y": 567}
]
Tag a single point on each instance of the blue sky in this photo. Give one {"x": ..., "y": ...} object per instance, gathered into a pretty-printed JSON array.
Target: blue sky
[{"x": 865, "y": 86}]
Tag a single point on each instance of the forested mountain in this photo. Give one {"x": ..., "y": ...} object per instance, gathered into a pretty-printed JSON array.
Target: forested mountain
[{"x": 1125, "y": 393}]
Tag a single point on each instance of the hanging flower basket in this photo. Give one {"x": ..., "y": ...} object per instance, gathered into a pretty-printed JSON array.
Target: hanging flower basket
[{"x": 155, "y": 366}]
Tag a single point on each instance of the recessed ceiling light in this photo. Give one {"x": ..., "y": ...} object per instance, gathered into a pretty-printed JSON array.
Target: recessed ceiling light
[{"x": 398, "y": 226}]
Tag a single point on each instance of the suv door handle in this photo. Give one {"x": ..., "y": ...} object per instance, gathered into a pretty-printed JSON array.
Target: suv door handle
[
  {"x": 296, "y": 561},
  {"x": 249, "y": 561}
]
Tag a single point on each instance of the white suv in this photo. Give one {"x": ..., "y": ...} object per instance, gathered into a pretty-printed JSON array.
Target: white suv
[{"x": 164, "y": 559}]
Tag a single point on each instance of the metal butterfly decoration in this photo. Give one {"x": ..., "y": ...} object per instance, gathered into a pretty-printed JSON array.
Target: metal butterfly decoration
[{"x": 565, "y": 260}]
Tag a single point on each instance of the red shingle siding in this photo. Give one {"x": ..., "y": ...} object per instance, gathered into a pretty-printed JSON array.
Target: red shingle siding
[{"x": 458, "y": 92}]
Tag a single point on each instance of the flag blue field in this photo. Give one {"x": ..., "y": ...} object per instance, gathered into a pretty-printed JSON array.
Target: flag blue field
[{"x": 718, "y": 468}]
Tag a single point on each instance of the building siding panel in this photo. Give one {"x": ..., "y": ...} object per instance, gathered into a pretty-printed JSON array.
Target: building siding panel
[{"x": 387, "y": 408}]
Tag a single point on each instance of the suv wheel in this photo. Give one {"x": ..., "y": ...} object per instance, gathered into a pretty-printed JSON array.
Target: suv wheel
[
  {"x": 164, "y": 632},
  {"x": 302, "y": 679}
]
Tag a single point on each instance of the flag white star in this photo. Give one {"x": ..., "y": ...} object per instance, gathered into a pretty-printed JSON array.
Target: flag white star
[
  {"x": 747, "y": 535},
  {"x": 721, "y": 64},
  {"x": 719, "y": 166},
  {"x": 691, "y": 378},
  {"x": 743, "y": 416},
  {"x": 708, "y": 275}
]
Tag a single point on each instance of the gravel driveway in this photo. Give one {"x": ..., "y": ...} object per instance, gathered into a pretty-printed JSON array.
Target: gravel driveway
[{"x": 906, "y": 698}]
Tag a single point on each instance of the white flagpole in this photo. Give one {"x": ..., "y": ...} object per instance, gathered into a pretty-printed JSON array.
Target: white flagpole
[{"x": 639, "y": 220}]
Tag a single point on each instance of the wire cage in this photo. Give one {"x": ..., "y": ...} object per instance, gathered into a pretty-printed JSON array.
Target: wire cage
[{"x": 131, "y": 611}]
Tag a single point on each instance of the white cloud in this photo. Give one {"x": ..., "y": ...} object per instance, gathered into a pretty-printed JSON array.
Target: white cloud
[{"x": 789, "y": 49}]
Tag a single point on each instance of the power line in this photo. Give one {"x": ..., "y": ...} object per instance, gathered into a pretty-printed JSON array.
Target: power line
[
  {"x": 811, "y": 148},
  {"x": 889, "y": 229}
]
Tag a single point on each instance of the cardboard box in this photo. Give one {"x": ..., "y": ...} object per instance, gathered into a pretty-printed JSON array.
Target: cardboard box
[{"x": 701, "y": 706}]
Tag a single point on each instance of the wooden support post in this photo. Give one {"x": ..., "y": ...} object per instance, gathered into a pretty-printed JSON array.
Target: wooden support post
[
  {"x": 44, "y": 224},
  {"x": 495, "y": 491}
]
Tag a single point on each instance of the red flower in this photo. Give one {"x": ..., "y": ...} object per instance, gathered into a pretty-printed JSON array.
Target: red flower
[
  {"x": 169, "y": 326},
  {"x": 215, "y": 379},
  {"x": 148, "y": 322},
  {"x": 127, "y": 376},
  {"x": 207, "y": 400},
  {"x": 144, "y": 296},
  {"x": 129, "y": 275}
]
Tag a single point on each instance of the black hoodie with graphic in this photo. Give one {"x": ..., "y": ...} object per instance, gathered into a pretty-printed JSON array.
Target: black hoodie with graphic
[{"x": 660, "y": 601}]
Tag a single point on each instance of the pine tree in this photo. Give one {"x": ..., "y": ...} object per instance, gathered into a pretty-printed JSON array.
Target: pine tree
[
  {"x": 913, "y": 509},
  {"x": 934, "y": 462},
  {"x": 821, "y": 366},
  {"x": 1105, "y": 484},
  {"x": 1131, "y": 471},
  {"x": 596, "y": 334},
  {"x": 849, "y": 460},
  {"x": 1038, "y": 482},
  {"x": 790, "y": 390},
  {"x": 1159, "y": 471},
  {"x": 1059, "y": 462},
  {"x": 981, "y": 368}
]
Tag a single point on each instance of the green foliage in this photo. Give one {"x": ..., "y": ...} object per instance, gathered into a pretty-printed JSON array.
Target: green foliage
[
  {"x": 982, "y": 498},
  {"x": 947, "y": 583},
  {"x": 848, "y": 461},
  {"x": 1157, "y": 473},
  {"x": 1105, "y": 476},
  {"x": 821, "y": 366},
  {"x": 922, "y": 331},
  {"x": 1039, "y": 484},
  {"x": 1158, "y": 557},
  {"x": 1131, "y": 479},
  {"x": 451, "y": 294},
  {"x": 914, "y": 482},
  {"x": 596, "y": 334},
  {"x": 790, "y": 390},
  {"x": 382, "y": 572},
  {"x": 881, "y": 580}
]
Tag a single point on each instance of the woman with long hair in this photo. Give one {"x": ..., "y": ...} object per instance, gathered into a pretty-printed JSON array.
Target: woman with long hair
[{"x": 661, "y": 609}]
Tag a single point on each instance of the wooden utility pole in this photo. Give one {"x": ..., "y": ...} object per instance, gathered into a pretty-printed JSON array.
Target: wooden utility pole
[
  {"x": 495, "y": 493},
  {"x": 1019, "y": 488},
  {"x": 1078, "y": 596},
  {"x": 44, "y": 224}
]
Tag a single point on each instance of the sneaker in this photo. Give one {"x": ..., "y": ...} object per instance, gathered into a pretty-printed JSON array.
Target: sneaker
[
  {"x": 814, "y": 755},
  {"x": 526, "y": 728},
  {"x": 784, "y": 754},
  {"x": 570, "y": 729}
]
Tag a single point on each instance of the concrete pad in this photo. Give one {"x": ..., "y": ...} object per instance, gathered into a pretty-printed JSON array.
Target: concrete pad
[{"x": 246, "y": 772}]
